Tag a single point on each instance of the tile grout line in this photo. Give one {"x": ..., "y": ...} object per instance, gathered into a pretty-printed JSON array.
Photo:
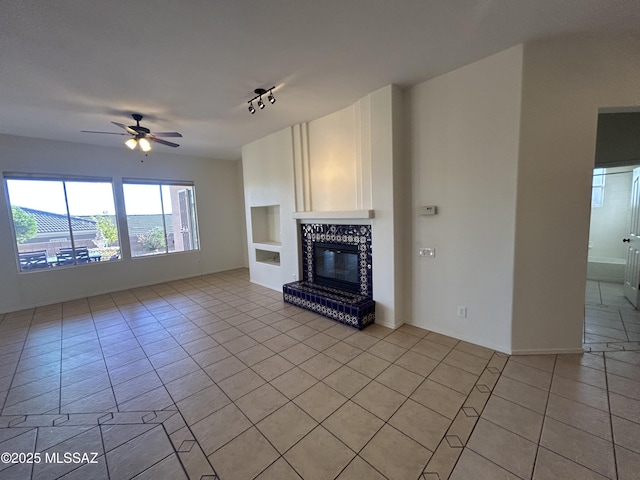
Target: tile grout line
[
  {"x": 624, "y": 326},
  {"x": 35, "y": 444},
  {"x": 320, "y": 424},
  {"x": 4, "y": 402},
  {"x": 444, "y": 438},
  {"x": 104, "y": 359},
  {"x": 104, "y": 449},
  {"x": 600, "y": 292},
  {"x": 233, "y": 402},
  {"x": 164, "y": 385},
  {"x": 544, "y": 416},
  {"x": 194, "y": 393},
  {"x": 349, "y": 399},
  {"x": 15, "y": 370},
  {"x": 613, "y": 438},
  {"x": 289, "y": 400}
]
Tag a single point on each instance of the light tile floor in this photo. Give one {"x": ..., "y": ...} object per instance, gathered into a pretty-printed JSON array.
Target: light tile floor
[
  {"x": 214, "y": 377},
  {"x": 611, "y": 321}
]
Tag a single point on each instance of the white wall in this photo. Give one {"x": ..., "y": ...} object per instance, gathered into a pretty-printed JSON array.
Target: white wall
[
  {"x": 463, "y": 150},
  {"x": 385, "y": 115},
  {"x": 566, "y": 82},
  {"x": 332, "y": 161},
  {"x": 220, "y": 217},
  {"x": 269, "y": 180}
]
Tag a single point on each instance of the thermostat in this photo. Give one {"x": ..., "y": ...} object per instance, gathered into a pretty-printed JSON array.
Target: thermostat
[{"x": 428, "y": 210}]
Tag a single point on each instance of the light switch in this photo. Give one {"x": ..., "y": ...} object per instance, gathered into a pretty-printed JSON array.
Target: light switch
[
  {"x": 427, "y": 252},
  {"x": 428, "y": 210}
]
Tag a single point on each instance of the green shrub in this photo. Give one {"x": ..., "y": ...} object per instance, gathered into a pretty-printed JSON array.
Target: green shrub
[{"x": 154, "y": 239}]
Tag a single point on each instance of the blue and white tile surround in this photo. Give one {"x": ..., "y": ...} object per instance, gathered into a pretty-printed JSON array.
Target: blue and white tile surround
[{"x": 355, "y": 309}]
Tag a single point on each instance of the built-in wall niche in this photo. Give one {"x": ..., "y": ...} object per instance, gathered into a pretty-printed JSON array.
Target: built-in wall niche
[
  {"x": 269, "y": 257},
  {"x": 265, "y": 225}
]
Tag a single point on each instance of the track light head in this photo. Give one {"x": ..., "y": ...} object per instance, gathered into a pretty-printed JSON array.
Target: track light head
[
  {"x": 252, "y": 109},
  {"x": 271, "y": 98},
  {"x": 260, "y": 103}
]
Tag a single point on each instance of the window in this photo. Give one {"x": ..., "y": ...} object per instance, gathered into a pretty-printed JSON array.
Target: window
[
  {"x": 597, "y": 189},
  {"x": 161, "y": 217},
  {"x": 58, "y": 222}
]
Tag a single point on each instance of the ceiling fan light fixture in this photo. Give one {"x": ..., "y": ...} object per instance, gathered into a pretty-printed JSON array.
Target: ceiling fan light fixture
[
  {"x": 141, "y": 136},
  {"x": 145, "y": 145}
]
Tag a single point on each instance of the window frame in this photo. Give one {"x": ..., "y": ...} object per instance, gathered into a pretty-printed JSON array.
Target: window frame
[
  {"x": 63, "y": 179},
  {"x": 193, "y": 214},
  {"x": 598, "y": 184}
]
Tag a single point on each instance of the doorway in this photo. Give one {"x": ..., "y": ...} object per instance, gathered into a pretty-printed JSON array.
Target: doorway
[{"x": 611, "y": 321}]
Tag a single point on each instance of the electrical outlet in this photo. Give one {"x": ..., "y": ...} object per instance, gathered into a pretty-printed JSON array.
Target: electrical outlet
[{"x": 462, "y": 311}]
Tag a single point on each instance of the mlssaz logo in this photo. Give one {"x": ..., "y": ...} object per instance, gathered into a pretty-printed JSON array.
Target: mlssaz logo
[{"x": 71, "y": 457}]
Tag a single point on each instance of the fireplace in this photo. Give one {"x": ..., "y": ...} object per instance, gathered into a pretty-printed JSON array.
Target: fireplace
[
  {"x": 354, "y": 239},
  {"x": 336, "y": 265},
  {"x": 336, "y": 273}
]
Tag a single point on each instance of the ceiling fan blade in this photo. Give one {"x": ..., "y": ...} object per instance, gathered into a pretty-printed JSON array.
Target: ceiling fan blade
[
  {"x": 163, "y": 142},
  {"x": 128, "y": 129},
  {"x": 106, "y": 133},
  {"x": 167, "y": 134}
]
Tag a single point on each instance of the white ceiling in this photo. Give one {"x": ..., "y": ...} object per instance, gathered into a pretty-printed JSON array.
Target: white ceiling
[{"x": 192, "y": 65}]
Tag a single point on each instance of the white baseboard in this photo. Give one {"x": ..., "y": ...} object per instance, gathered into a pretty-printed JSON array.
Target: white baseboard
[
  {"x": 497, "y": 348},
  {"x": 270, "y": 287},
  {"x": 547, "y": 351},
  {"x": 393, "y": 325},
  {"x": 107, "y": 291}
]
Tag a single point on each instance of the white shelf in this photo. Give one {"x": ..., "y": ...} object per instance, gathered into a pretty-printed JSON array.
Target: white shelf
[
  {"x": 269, "y": 262},
  {"x": 339, "y": 214},
  {"x": 268, "y": 245}
]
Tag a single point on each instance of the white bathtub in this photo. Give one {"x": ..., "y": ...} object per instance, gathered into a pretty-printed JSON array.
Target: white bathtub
[{"x": 606, "y": 269}]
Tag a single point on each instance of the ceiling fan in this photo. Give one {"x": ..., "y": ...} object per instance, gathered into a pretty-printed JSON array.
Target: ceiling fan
[{"x": 141, "y": 136}]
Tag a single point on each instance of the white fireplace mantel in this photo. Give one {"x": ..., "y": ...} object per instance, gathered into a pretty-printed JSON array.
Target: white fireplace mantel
[{"x": 334, "y": 215}]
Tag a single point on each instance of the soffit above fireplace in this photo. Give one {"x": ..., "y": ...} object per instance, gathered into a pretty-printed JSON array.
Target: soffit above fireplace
[{"x": 337, "y": 215}]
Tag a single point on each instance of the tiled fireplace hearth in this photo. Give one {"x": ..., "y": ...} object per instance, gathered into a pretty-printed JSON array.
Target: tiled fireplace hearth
[{"x": 336, "y": 272}]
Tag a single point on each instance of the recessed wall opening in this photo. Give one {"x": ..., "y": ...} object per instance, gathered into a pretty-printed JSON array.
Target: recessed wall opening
[{"x": 613, "y": 262}]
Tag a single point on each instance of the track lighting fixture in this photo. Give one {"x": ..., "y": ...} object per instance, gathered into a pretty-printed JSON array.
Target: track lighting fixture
[{"x": 259, "y": 93}]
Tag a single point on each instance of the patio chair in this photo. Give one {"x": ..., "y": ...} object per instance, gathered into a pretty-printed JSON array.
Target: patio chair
[
  {"x": 33, "y": 260},
  {"x": 66, "y": 256}
]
